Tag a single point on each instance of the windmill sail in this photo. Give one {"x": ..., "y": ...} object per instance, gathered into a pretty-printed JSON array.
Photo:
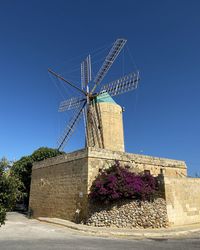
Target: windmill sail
[
  {"x": 122, "y": 85},
  {"x": 70, "y": 128},
  {"x": 71, "y": 103},
  {"x": 114, "y": 52},
  {"x": 86, "y": 76}
]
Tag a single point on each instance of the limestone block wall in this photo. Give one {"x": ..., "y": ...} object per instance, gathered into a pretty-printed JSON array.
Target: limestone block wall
[
  {"x": 59, "y": 186},
  {"x": 101, "y": 158},
  {"x": 183, "y": 200}
]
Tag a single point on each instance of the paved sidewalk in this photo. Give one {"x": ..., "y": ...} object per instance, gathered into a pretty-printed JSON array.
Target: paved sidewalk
[{"x": 134, "y": 233}]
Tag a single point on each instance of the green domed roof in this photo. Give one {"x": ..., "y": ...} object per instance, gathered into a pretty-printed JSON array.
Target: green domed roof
[{"x": 104, "y": 97}]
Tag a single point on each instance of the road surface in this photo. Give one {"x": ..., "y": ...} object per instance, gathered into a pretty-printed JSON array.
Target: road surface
[{"x": 20, "y": 233}]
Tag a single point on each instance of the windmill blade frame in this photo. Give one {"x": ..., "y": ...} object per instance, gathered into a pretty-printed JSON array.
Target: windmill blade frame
[
  {"x": 71, "y": 103},
  {"x": 86, "y": 72},
  {"x": 109, "y": 60},
  {"x": 122, "y": 85},
  {"x": 70, "y": 128}
]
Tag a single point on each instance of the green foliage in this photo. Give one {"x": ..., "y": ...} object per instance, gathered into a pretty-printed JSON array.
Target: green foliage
[
  {"x": 22, "y": 168},
  {"x": 15, "y": 180},
  {"x": 9, "y": 189},
  {"x": 2, "y": 215},
  {"x": 4, "y": 164},
  {"x": 44, "y": 153}
]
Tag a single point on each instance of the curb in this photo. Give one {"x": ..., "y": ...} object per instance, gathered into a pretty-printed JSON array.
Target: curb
[{"x": 135, "y": 233}]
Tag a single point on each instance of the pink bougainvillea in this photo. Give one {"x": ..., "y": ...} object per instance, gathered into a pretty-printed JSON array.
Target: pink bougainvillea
[{"x": 118, "y": 182}]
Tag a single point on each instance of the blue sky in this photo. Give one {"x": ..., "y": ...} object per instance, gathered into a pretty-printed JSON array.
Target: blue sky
[{"x": 162, "y": 117}]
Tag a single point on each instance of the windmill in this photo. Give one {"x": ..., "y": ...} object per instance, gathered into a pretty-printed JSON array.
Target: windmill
[{"x": 89, "y": 103}]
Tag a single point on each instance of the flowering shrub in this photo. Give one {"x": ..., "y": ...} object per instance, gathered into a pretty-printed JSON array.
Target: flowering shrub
[{"x": 117, "y": 182}]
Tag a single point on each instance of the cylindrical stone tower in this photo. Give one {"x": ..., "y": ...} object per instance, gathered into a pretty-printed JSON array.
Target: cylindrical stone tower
[{"x": 105, "y": 124}]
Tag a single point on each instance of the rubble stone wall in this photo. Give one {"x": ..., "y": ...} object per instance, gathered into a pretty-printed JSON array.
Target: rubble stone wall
[{"x": 129, "y": 214}]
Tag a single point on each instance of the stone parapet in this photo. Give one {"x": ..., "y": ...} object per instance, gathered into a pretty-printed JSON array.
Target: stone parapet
[
  {"x": 76, "y": 155},
  {"x": 137, "y": 158},
  {"x": 103, "y": 158}
]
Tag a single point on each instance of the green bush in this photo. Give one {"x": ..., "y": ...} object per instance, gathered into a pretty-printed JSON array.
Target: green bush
[
  {"x": 9, "y": 191},
  {"x": 22, "y": 170},
  {"x": 44, "y": 153},
  {"x": 2, "y": 215},
  {"x": 15, "y": 180}
]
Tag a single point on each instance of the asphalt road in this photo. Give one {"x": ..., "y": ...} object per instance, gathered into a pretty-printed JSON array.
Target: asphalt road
[{"x": 20, "y": 233}]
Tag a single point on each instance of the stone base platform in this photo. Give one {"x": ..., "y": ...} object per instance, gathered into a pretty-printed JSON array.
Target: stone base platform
[{"x": 60, "y": 185}]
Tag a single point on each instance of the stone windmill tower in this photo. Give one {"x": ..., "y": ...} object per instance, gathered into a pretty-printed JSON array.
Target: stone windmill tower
[
  {"x": 109, "y": 134},
  {"x": 102, "y": 116}
]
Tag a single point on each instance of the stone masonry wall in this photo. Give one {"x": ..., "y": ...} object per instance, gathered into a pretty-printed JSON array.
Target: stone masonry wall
[
  {"x": 101, "y": 158},
  {"x": 129, "y": 214},
  {"x": 183, "y": 200},
  {"x": 59, "y": 187}
]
